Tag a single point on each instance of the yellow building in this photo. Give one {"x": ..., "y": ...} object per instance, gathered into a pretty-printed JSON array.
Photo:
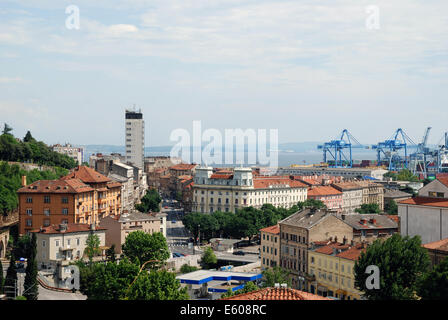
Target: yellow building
[
  {"x": 332, "y": 265},
  {"x": 270, "y": 247}
]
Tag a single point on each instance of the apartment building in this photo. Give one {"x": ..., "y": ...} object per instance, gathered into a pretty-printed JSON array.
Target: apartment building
[
  {"x": 135, "y": 138},
  {"x": 76, "y": 153},
  {"x": 270, "y": 247},
  {"x": 107, "y": 195},
  {"x": 352, "y": 195},
  {"x": 119, "y": 227},
  {"x": 372, "y": 193},
  {"x": 60, "y": 244},
  {"x": 296, "y": 234},
  {"x": 427, "y": 214},
  {"x": 182, "y": 169},
  {"x": 332, "y": 265},
  {"x": 231, "y": 190},
  {"x": 369, "y": 227},
  {"x": 47, "y": 202},
  {"x": 329, "y": 195}
]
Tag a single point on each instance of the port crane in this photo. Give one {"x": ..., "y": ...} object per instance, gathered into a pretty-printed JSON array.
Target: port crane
[{"x": 337, "y": 150}]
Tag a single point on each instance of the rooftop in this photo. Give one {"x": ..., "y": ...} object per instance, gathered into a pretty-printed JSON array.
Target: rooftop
[
  {"x": 441, "y": 245},
  {"x": 69, "y": 228},
  {"x": 86, "y": 175},
  {"x": 306, "y": 218},
  {"x": 264, "y": 182},
  {"x": 276, "y": 294},
  {"x": 183, "y": 166},
  {"x": 425, "y": 201},
  {"x": 272, "y": 229},
  {"x": 390, "y": 193},
  {"x": 204, "y": 276},
  {"x": 347, "y": 185},
  {"x": 369, "y": 221},
  {"x": 323, "y": 191},
  {"x": 56, "y": 186},
  {"x": 137, "y": 216}
]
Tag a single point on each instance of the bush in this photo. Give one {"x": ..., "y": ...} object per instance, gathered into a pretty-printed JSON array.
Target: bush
[{"x": 187, "y": 269}]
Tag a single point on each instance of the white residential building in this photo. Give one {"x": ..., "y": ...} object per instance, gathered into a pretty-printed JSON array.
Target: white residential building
[
  {"x": 135, "y": 138},
  {"x": 76, "y": 153},
  {"x": 230, "y": 190}
]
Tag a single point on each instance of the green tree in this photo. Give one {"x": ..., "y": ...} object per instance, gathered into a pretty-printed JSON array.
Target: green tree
[
  {"x": 110, "y": 253},
  {"x": 92, "y": 246},
  {"x": 187, "y": 268},
  {"x": 157, "y": 285},
  {"x": 31, "y": 285},
  {"x": 28, "y": 137},
  {"x": 141, "y": 247},
  {"x": 248, "y": 287},
  {"x": 391, "y": 207},
  {"x": 434, "y": 284},
  {"x": 406, "y": 175},
  {"x": 311, "y": 203},
  {"x": 11, "y": 277},
  {"x": 401, "y": 261},
  {"x": 274, "y": 275},
  {"x": 7, "y": 129},
  {"x": 208, "y": 259},
  {"x": 111, "y": 280},
  {"x": 150, "y": 202},
  {"x": 367, "y": 208}
]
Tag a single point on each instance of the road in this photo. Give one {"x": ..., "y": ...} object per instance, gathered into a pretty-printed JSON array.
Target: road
[{"x": 45, "y": 294}]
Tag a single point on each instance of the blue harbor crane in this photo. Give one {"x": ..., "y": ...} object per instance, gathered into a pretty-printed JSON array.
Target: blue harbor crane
[
  {"x": 422, "y": 158},
  {"x": 336, "y": 150},
  {"x": 388, "y": 151}
]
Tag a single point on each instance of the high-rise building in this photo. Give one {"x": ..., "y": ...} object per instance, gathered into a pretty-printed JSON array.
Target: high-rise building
[{"x": 135, "y": 138}]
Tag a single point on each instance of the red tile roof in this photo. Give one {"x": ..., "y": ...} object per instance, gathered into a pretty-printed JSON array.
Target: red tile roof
[
  {"x": 328, "y": 249},
  {"x": 352, "y": 254},
  {"x": 437, "y": 245},
  {"x": 443, "y": 180},
  {"x": 425, "y": 201},
  {"x": 276, "y": 294},
  {"x": 56, "y": 186},
  {"x": 265, "y": 182},
  {"x": 86, "y": 175},
  {"x": 183, "y": 166},
  {"x": 272, "y": 229},
  {"x": 221, "y": 176},
  {"x": 323, "y": 191},
  {"x": 71, "y": 228}
]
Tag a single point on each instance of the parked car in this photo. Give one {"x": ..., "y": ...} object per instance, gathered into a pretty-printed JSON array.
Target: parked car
[
  {"x": 239, "y": 253},
  {"x": 176, "y": 255}
]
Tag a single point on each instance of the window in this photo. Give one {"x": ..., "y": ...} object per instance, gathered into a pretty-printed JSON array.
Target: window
[
  {"x": 64, "y": 221},
  {"x": 29, "y": 200},
  {"x": 29, "y": 222},
  {"x": 44, "y": 243},
  {"x": 47, "y": 212},
  {"x": 57, "y": 243},
  {"x": 64, "y": 200},
  {"x": 46, "y": 199},
  {"x": 65, "y": 211},
  {"x": 46, "y": 222},
  {"x": 29, "y": 212}
]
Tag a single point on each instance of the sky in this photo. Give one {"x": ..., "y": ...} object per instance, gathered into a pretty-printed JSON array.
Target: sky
[{"x": 307, "y": 68}]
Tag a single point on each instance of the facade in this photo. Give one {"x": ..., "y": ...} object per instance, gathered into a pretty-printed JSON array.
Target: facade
[
  {"x": 47, "y": 202},
  {"x": 118, "y": 227},
  {"x": 182, "y": 169},
  {"x": 135, "y": 138},
  {"x": 83, "y": 196},
  {"x": 332, "y": 264},
  {"x": 351, "y": 173},
  {"x": 372, "y": 193},
  {"x": 76, "y": 153},
  {"x": 60, "y": 244},
  {"x": 228, "y": 191},
  {"x": 437, "y": 251},
  {"x": 352, "y": 196},
  {"x": 427, "y": 214},
  {"x": 296, "y": 234},
  {"x": 270, "y": 247},
  {"x": 330, "y": 196}
]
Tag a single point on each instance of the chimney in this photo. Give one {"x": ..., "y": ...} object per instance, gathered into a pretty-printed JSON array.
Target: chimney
[
  {"x": 352, "y": 242},
  {"x": 23, "y": 181},
  {"x": 336, "y": 239},
  {"x": 62, "y": 227},
  {"x": 344, "y": 240},
  {"x": 284, "y": 285},
  {"x": 373, "y": 221},
  {"x": 277, "y": 285},
  {"x": 343, "y": 217}
]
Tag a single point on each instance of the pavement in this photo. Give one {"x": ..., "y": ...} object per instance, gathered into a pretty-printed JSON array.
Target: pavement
[{"x": 45, "y": 294}]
